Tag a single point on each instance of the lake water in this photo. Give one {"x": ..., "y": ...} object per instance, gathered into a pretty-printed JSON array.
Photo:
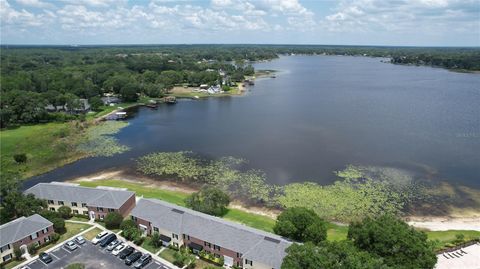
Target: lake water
[{"x": 319, "y": 114}]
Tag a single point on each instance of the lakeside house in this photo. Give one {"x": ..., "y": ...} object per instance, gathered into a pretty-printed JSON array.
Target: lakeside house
[
  {"x": 238, "y": 244},
  {"x": 23, "y": 232},
  {"x": 110, "y": 100},
  {"x": 94, "y": 202},
  {"x": 83, "y": 107}
]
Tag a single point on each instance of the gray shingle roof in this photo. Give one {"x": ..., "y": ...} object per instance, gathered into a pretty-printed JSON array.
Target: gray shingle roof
[
  {"x": 254, "y": 244},
  {"x": 22, "y": 227},
  {"x": 108, "y": 198}
]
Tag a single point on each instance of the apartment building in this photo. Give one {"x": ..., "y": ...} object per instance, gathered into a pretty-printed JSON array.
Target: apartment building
[
  {"x": 239, "y": 245},
  {"x": 94, "y": 202},
  {"x": 23, "y": 232}
]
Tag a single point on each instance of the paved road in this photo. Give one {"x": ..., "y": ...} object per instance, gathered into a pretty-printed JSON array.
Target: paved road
[{"x": 91, "y": 256}]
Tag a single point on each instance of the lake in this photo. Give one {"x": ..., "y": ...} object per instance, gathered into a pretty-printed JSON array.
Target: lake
[{"x": 318, "y": 115}]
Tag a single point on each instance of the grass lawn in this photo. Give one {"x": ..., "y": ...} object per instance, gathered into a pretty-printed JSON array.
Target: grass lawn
[
  {"x": 91, "y": 234},
  {"x": 167, "y": 254},
  {"x": 72, "y": 229},
  {"x": 47, "y": 146},
  {"x": 79, "y": 219},
  {"x": 103, "y": 224},
  {"x": 336, "y": 232},
  {"x": 13, "y": 263},
  {"x": 443, "y": 238},
  {"x": 148, "y": 246},
  {"x": 201, "y": 264}
]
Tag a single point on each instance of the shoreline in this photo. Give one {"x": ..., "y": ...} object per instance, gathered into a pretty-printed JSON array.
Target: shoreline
[{"x": 431, "y": 223}]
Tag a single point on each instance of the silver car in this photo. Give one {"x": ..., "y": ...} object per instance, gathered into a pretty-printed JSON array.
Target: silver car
[
  {"x": 70, "y": 245},
  {"x": 80, "y": 240},
  {"x": 113, "y": 245}
]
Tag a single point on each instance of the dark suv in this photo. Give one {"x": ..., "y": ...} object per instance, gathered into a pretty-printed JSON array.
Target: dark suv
[
  {"x": 107, "y": 240},
  {"x": 124, "y": 253},
  {"x": 45, "y": 257},
  {"x": 133, "y": 258}
]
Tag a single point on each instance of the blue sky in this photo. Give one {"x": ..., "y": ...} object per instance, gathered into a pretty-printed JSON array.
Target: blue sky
[{"x": 346, "y": 22}]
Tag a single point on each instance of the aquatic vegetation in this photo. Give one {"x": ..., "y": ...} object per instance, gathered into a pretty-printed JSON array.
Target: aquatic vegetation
[{"x": 99, "y": 141}]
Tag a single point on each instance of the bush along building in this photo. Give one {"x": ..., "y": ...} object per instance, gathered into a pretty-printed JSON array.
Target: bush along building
[
  {"x": 22, "y": 233},
  {"x": 237, "y": 245},
  {"x": 93, "y": 202}
]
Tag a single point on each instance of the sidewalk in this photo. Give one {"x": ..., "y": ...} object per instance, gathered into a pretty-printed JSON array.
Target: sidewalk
[{"x": 96, "y": 225}]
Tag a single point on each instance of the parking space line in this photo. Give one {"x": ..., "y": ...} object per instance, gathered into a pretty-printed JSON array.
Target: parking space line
[{"x": 55, "y": 256}]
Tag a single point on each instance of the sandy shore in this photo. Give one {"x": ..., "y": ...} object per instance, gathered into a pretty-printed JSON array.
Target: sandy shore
[{"x": 433, "y": 223}]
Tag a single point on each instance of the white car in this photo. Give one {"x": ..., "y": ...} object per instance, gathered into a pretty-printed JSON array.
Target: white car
[
  {"x": 119, "y": 248},
  {"x": 99, "y": 237},
  {"x": 80, "y": 240},
  {"x": 70, "y": 245}
]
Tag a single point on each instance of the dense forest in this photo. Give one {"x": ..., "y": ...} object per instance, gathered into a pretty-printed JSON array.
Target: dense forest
[{"x": 33, "y": 78}]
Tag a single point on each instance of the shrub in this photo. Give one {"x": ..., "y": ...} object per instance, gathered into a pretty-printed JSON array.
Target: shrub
[
  {"x": 209, "y": 200},
  {"x": 58, "y": 225},
  {"x": 32, "y": 249},
  {"x": 156, "y": 241},
  {"x": 132, "y": 233},
  {"x": 127, "y": 224},
  {"x": 138, "y": 239},
  {"x": 20, "y": 158},
  {"x": 18, "y": 253},
  {"x": 54, "y": 237},
  {"x": 113, "y": 220},
  {"x": 65, "y": 212},
  {"x": 302, "y": 224}
]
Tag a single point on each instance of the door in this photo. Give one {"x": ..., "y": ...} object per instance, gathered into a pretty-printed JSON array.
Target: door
[{"x": 92, "y": 215}]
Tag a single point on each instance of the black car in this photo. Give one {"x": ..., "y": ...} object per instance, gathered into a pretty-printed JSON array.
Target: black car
[
  {"x": 133, "y": 258},
  {"x": 107, "y": 240},
  {"x": 124, "y": 253},
  {"x": 46, "y": 258},
  {"x": 144, "y": 260}
]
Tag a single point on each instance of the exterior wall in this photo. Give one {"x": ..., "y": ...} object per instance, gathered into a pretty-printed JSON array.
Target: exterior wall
[
  {"x": 100, "y": 212},
  {"x": 40, "y": 239},
  {"x": 127, "y": 206},
  {"x": 145, "y": 223},
  {"x": 222, "y": 252},
  {"x": 6, "y": 253},
  {"x": 81, "y": 210},
  {"x": 257, "y": 265}
]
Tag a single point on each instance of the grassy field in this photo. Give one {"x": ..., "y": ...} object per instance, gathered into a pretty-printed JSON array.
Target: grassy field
[
  {"x": 443, "y": 239},
  {"x": 167, "y": 254},
  {"x": 91, "y": 234},
  {"x": 47, "y": 146}
]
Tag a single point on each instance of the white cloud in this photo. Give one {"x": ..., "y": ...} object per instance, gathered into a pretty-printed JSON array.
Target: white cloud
[
  {"x": 21, "y": 18},
  {"x": 35, "y": 3}
]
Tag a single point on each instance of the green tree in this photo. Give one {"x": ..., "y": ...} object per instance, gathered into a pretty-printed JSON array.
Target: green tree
[
  {"x": 391, "y": 238},
  {"x": 58, "y": 225},
  {"x": 17, "y": 252},
  {"x": 156, "y": 241},
  {"x": 95, "y": 103},
  {"x": 65, "y": 212},
  {"x": 113, "y": 220},
  {"x": 209, "y": 200},
  {"x": 329, "y": 255},
  {"x": 130, "y": 92},
  {"x": 301, "y": 224}
]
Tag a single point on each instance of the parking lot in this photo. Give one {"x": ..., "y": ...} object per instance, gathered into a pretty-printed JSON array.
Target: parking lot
[{"x": 92, "y": 256}]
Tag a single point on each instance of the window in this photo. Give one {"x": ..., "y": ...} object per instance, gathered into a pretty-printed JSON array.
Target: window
[
  {"x": 249, "y": 262},
  {"x": 111, "y": 210},
  {"x": 74, "y": 204},
  {"x": 175, "y": 245},
  {"x": 101, "y": 217},
  {"x": 33, "y": 236},
  {"x": 100, "y": 209},
  {"x": 50, "y": 202},
  {"x": 84, "y": 205},
  {"x": 239, "y": 254},
  {"x": 155, "y": 229},
  {"x": 75, "y": 211},
  {"x": 4, "y": 248},
  {"x": 175, "y": 236},
  {"x": 46, "y": 239},
  {"x": 85, "y": 212},
  {"x": 37, "y": 244},
  {"x": 216, "y": 255},
  {"x": 134, "y": 218},
  {"x": 215, "y": 247},
  {"x": 7, "y": 258},
  {"x": 52, "y": 209},
  {"x": 45, "y": 230},
  {"x": 205, "y": 243},
  {"x": 60, "y": 202}
]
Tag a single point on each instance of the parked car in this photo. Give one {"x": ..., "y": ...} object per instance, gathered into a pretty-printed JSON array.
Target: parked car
[
  {"x": 133, "y": 258},
  {"x": 45, "y": 257},
  {"x": 118, "y": 249},
  {"x": 80, "y": 240},
  {"x": 144, "y": 260},
  {"x": 99, "y": 237},
  {"x": 107, "y": 240},
  {"x": 127, "y": 251},
  {"x": 70, "y": 245},
  {"x": 114, "y": 244}
]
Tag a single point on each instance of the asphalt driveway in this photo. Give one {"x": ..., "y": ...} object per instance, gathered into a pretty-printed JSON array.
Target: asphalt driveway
[{"x": 91, "y": 256}]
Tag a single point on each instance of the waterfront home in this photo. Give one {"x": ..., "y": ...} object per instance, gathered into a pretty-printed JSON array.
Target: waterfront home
[
  {"x": 23, "y": 232},
  {"x": 94, "y": 202},
  {"x": 237, "y": 244},
  {"x": 108, "y": 100}
]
